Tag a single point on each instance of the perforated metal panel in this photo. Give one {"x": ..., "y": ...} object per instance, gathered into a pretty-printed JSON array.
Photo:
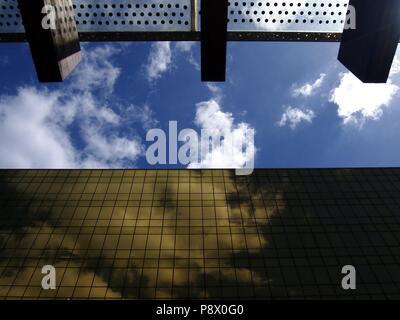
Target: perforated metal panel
[
  {"x": 288, "y": 16},
  {"x": 113, "y": 15},
  {"x": 10, "y": 17},
  {"x": 175, "y": 15},
  {"x": 65, "y": 30}
]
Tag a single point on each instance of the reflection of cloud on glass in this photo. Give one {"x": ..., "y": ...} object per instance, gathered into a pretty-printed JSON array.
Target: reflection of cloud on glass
[
  {"x": 132, "y": 251},
  {"x": 193, "y": 234}
]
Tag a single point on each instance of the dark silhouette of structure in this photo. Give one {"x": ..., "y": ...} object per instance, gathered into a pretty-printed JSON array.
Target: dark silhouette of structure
[{"x": 366, "y": 50}]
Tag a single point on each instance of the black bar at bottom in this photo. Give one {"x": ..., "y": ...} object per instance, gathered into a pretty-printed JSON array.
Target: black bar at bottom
[{"x": 193, "y": 309}]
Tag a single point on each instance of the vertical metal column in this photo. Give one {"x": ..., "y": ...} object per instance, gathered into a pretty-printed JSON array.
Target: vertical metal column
[
  {"x": 193, "y": 17},
  {"x": 368, "y": 50},
  {"x": 53, "y": 38},
  {"x": 214, "y": 27}
]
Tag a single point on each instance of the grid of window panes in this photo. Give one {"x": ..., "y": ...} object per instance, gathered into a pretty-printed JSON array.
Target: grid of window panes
[{"x": 199, "y": 233}]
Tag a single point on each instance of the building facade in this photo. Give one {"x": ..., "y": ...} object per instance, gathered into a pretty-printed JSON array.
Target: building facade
[{"x": 179, "y": 234}]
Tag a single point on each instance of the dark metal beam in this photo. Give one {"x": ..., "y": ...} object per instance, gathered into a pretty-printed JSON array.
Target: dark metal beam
[
  {"x": 55, "y": 51},
  {"x": 214, "y": 25},
  {"x": 284, "y": 36},
  {"x": 369, "y": 49},
  {"x": 190, "y": 36}
]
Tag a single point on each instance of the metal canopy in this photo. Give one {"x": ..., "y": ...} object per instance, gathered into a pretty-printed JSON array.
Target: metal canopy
[
  {"x": 367, "y": 49},
  {"x": 112, "y": 20}
]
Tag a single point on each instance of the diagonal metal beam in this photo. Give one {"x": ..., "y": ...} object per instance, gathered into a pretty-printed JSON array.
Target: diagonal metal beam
[
  {"x": 369, "y": 49},
  {"x": 53, "y": 38},
  {"x": 214, "y": 24}
]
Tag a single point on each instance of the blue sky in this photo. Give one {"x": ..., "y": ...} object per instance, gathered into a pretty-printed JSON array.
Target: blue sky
[{"x": 305, "y": 108}]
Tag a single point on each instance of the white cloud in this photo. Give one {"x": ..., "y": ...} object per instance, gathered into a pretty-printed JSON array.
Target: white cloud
[
  {"x": 294, "y": 116},
  {"x": 4, "y": 60},
  {"x": 238, "y": 147},
  {"x": 395, "y": 69},
  {"x": 143, "y": 115},
  {"x": 162, "y": 56},
  {"x": 184, "y": 46},
  {"x": 29, "y": 135},
  {"x": 109, "y": 150},
  {"x": 36, "y": 125},
  {"x": 96, "y": 70},
  {"x": 358, "y": 102},
  {"x": 215, "y": 91},
  {"x": 309, "y": 88},
  {"x": 159, "y": 61}
]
